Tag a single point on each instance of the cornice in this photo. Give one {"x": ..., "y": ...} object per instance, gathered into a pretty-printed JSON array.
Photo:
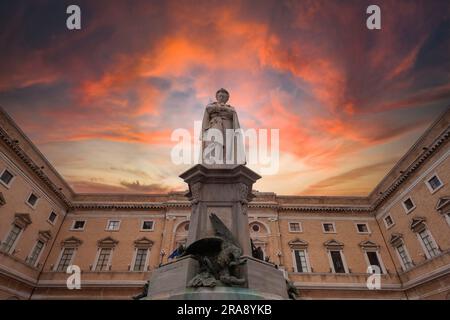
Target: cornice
[
  {"x": 17, "y": 150},
  {"x": 121, "y": 206},
  {"x": 321, "y": 208},
  {"x": 428, "y": 151}
]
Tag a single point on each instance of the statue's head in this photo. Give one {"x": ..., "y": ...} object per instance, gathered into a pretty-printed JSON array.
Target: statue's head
[{"x": 222, "y": 96}]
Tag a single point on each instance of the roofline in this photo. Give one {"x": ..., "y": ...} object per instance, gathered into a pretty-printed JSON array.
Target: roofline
[
  {"x": 35, "y": 149},
  {"x": 418, "y": 141}
]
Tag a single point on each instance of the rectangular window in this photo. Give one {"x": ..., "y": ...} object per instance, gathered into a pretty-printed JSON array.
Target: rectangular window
[
  {"x": 147, "y": 225},
  {"x": 406, "y": 261},
  {"x": 388, "y": 221},
  {"x": 78, "y": 225},
  {"x": 295, "y": 227},
  {"x": 434, "y": 183},
  {"x": 300, "y": 261},
  {"x": 11, "y": 239},
  {"x": 328, "y": 227},
  {"x": 408, "y": 204},
  {"x": 52, "y": 217},
  {"x": 66, "y": 258},
  {"x": 32, "y": 200},
  {"x": 362, "y": 228},
  {"x": 113, "y": 225},
  {"x": 103, "y": 259},
  {"x": 34, "y": 256},
  {"x": 141, "y": 258},
  {"x": 429, "y": 244},
  {"x": 338, "y": 264},
  {"x": 372, "y": 256},
  {"x": 6, "y": 177}
]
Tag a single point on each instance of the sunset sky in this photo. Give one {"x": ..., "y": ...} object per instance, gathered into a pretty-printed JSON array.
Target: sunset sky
[{"x": 102, "y": 102}]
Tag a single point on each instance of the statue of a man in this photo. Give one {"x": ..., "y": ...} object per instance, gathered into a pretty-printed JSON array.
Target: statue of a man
[{"x": 222, "y": 137}]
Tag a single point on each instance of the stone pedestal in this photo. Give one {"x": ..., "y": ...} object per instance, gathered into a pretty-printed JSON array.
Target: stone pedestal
[
  {"x": 223, "y": 190},
  {"x": 169, "y": 282}
]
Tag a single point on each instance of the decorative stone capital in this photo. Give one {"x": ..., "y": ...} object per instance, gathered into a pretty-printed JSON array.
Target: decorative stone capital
[
  {"x": 195, "y": 190},
  {"x": 243, "y": 193}
]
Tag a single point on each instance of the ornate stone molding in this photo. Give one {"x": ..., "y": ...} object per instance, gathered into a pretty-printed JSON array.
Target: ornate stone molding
[
  {"x": 71, "y": 242},
  {"x": 2, "y": 199},
  {"x": 18, "y": 151},
  {"x": 195, "y": 192},
  {"x": 107, "y": 242},
  {"x": 101, "y": 206},
  {"x": 324, "y": 208},
  {"x": 45, "y": 235},
  {"x": 143, "y": 243},
  {"x": 243, "y": 193},
  {"x": 367, "y": 244},
  {"x": 396, "y": 239},
  {"x": 22, "y": 220},
  {"x": 428, "y": 151},
  {"x": 443, "y": 205},
  {"x": 298, "y": 244},
  {"x": 418, "y": 224},
  {"x": 333, "y": 244}
]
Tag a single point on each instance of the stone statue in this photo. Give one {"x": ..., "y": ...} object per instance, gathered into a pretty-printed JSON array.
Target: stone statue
[
  {"x": 293, "y": 292},
  {"x": 219, "y": 258},
  {"x": 221, "y": 135},
  {"x": 257, "y": 252},
  {"x": 144, "y": 292}
]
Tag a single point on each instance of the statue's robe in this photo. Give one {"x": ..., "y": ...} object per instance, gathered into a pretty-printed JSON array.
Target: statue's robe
[{"x": 230, "y": 150}]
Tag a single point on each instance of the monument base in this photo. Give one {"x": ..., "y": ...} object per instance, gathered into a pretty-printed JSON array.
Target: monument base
[{"x": 169, "y": 282}]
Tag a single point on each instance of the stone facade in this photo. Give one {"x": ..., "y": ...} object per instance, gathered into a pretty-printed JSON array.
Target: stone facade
[{"x": 403, "y": 224}]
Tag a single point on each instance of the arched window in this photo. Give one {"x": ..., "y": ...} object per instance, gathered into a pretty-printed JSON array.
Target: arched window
[
  {"x": 181, "y": 233},
  {"x": 259, "y": 234}
]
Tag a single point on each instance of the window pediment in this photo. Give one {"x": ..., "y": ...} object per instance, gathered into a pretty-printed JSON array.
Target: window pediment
[
  {"x": 143, "y": 243},
  {"x": 417, "y": 224},
  {"x": 107, "y": 242},
  {"x": 2, "y": 199},
  {"x": 298, "y": 244},
  {"x": 71, "y": 242},
  {"x": 396, "y": 239},
  {"x": 368, "y": 245},
  {"x": 260, "y": 242},
  {"x": 45, "y": 235},
  {"x": 333, "y": 244},
  {"x": 443, "y": 204},
  {"x": 22, "y": 220}
]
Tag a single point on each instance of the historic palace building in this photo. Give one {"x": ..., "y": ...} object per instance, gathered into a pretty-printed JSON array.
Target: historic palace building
[{"x": 324, "y": 244}]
